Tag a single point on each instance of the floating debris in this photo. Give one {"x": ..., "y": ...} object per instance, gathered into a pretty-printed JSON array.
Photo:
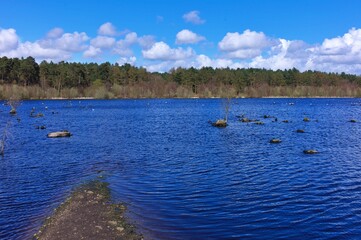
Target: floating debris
[
  {"x": 353, "y": 121},
  {"x": 306, "y": 119},
  {"x": 300, "y": 131}
]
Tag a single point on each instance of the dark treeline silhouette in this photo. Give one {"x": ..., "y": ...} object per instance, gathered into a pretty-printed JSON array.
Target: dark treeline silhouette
[{"x": 25, "y": 78}]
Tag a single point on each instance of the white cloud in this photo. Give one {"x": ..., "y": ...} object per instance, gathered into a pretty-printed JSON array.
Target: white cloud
[
  {"x": 92, "y": 52},
  {"x": 38, "y": 52},
  {"x": 55, "y": 33},
  {"x": 340, "y": 50},
  {"x": 193, "y": 17},
  {"x": 146, "y": 41},
  {"x": 70, "y": 42},
  {"x": 107, "y": 29},
  {"x": 124, "y": 60},
  {"x": 123, "y": 46},
  {"x": 249, "y": 44},
  {"x": 279, "y": 59},
  {"x": 205, "y": 61},
  {"x": 161, "y": 51},
  {"x": 8, "y": 39},
  {"x": 103, "y": 42},
  {"x": 186, "y": 36}
]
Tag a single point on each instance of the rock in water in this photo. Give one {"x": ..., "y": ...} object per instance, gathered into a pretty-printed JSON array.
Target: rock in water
[
  {"x": 220, "y": 123},
  {"x": 310, "y": 151},
  {"x": 64, "y": 133},
  {"x": 275, "y": 140},
  {"x": 13, "y": 111}
]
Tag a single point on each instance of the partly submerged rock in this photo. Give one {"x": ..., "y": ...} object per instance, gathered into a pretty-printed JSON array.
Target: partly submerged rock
[
  {"x": 13, "y": 111},
  {"x": 353, "y": 120},
  {"x": 245, "y": 120},
  {"x": 63, "y": 133},
  {"x": 220, "y": 123},
  {"x": 300, "y": 131},
  {"x": 259, "y": 123},
  {"x": 310, "y": 151},
  {"x": 275, "y": 140},
  {"x": 306, "y": 119}
]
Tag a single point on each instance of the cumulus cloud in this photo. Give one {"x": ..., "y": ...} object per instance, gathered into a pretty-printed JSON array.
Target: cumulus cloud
[
  {"x": 186, "y": 36},
  {"x": 8, "y": 39},
  {"x": 249, "y": 44},
  {"x": 103, "y": 42},
  {"x": 161, "y": 51},
  {"x": 71, "y": 42},
  {"x": 123, "y": 46},
  {"x": 38, "y": 52},
  {"x": 146, "y": 41},
  {"x": 107, "y": 29},
  {"x": 130, "y": 60},
  {"x": 56, "y": 46},
  {"x": 55, "y": 33},
  {"x": 340, "y": 50},
  {"x": 92, "y": 52},
  {"x": 279, "y": 59},
  {"x": 205, "y": 61},
  {"x": 193, "y": 17}
]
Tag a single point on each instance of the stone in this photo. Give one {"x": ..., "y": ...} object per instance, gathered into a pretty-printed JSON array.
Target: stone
[
  {"x": 63, "y": 133},
  {"x": 300, "y": 131},
  {"x": 220, "y": 123},
  {"x": 275, "y": 140},
  {"x": 114, "y": 223},
  {"x": 13, "y": 111},
  {"x": 310, "y": 151}
]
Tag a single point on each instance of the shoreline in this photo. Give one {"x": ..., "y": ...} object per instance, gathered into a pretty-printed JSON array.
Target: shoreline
[
  {"x": 144, "y": 98},
  {"x": 88, "y": 214}
]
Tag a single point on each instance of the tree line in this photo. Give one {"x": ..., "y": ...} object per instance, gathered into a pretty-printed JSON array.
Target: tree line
[{"x": 27, "y": 78}]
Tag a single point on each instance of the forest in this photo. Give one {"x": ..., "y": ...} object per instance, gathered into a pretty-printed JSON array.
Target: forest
[{"x": 24, "y": 78}]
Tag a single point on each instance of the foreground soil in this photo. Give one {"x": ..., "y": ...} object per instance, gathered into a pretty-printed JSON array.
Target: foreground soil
[{"x": 88, "y": 214}]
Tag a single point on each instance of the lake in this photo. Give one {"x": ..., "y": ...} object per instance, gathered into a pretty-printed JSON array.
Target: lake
[{"x": 180, "y": 177}]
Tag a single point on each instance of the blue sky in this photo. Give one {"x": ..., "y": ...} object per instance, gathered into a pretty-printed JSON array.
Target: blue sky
[{"x": 160, "y": 35}]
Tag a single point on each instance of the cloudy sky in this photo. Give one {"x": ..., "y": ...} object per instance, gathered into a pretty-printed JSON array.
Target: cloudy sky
[{"x": 163, "y": 34}]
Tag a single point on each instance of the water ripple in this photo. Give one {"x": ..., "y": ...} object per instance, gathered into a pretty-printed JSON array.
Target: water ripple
[{"x": 183, "y": 179}]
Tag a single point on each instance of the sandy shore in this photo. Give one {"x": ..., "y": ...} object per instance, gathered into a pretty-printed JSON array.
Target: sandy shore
[{"x": 87, "y": 214}]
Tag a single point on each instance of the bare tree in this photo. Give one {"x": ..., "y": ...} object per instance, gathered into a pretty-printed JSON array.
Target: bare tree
[
  {"x": 4, "y": 137},
  {"x": 13, "y": 103},
  {"x": 226, "y": 102}
]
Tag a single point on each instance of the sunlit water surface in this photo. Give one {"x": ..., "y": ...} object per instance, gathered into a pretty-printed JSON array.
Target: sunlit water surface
[{"x": 180, "y": 177}]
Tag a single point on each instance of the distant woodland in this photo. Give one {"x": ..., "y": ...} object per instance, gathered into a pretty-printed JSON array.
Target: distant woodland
[{"x": 26, "y": 79}]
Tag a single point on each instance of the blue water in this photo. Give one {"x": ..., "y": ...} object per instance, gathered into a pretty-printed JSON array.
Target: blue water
[{"x": 184, "y": 179}]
